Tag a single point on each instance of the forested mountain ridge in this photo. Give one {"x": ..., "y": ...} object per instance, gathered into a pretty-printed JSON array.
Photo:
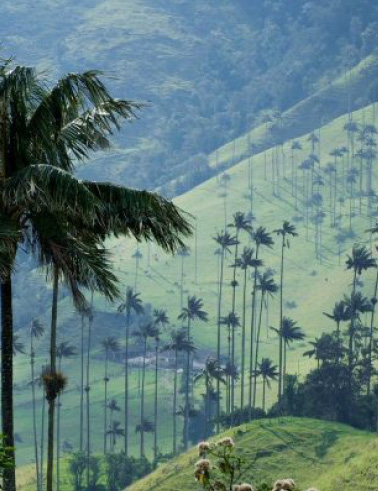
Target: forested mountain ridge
[{"x": 208, "y": 69}]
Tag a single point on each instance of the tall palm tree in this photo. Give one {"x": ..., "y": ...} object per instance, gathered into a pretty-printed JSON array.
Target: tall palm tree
[
  {"x": 268, "y": 288},
  {"x": 261, "y": 238},
  {"x": 240, "y": 223},
  {"x": 339, "y": 315},
  {"x": 183, "y": 252},
  {"x": 144, "y": 332},
  {"x": 231, "y": 321},
  {"x": 360, "y": 260},
  {"x": 113, "y": 408},
  {"x": 36, "y": 331},
  {"x": 132, "y": 303},
  {"x": 211, "y": 372},
  {"x": 244, "y": 262},
  {"x": 161, "y": 319},
  {"x": 111, "y": 346},
  {"x": 285, "y": 232},
  {"x": 268, "y": 372},
  {"x": 178, "y": 344},
  {"x": 54, "y": 126},
  {"x": 290, "y": 333},
  {"x": 115, "y": 431},
  {"x": 137, "y": 256},
  {"x": 191, "y": 313},
  {"x": 63, "y": 350}
]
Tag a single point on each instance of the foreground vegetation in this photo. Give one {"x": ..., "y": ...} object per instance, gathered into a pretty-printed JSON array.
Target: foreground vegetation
[{"x": 328, "y": 456}]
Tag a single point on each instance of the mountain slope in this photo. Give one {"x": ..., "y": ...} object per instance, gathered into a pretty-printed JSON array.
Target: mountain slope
[
  {"x": 328, "y": 456},
  {"x": 311, "y": 288}
]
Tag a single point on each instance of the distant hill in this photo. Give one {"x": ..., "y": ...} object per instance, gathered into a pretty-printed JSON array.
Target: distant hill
[{"x": 329, "y": 456}]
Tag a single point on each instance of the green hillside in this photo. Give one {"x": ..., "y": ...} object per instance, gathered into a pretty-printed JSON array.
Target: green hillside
[
  {"x": 311, "y": 288},
  {"x": 329, "y": 456}
]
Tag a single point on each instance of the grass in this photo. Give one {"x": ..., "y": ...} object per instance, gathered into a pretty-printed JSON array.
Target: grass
[
  {"x": 311, "y": 288},
  {"x": 327, "y": 455}
]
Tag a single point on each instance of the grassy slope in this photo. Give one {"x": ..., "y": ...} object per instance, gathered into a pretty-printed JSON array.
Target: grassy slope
[
  {"x": 329, "y": 456},
  {"x": 312, "y": 292}
]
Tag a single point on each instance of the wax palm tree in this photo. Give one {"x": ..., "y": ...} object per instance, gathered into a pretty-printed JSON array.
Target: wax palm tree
[
  {"x": 144, "y": 332},
  {"x": 268, "y": 372},
  {"x": 63, "y": 350},
  {"x": 183, "y": 252},
  {"x": 232, "y": 322},
  {"x": 261, "y": 238},
  {"x": 244, "y": 262},
  {"x": 179, "y": 343},
  {"x": 36, "y": 331},
  {"x": 211, "y": 372},
  {"x": 132, "y": 303},
  {"x": 286, "y": 232},
  {"x": 111, "y": 346},
  {"x": 113, "y": 407},
  {"x": 268, "y": 288},
  {"x": 295, "y": 147},
  {"x": 240, "y": 223},
  {"x": 157, "y": 342},
  {"x": 191, "y": 313},
  {"x": 360, "y": 260},
  {"x": 54, "y": 127},
  {"x": 115, "y": 431},
  {"x": 339, "y": 315}
]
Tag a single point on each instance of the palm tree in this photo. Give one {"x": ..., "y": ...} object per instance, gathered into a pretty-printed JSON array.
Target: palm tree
[
  {"x": 178, "y": 343},
  {"x": 339, "y": 314},
  {"x": 261, "y": 238},
  {"x": 63, "y": 350},
  {"x": 211, "y": 372},
  {"x": 268, "y": 372},
  {"x": 113, "y": 408},
  {"x": 231, "y": 321},
  {"x": 285, "y": 232},
  {"x": 132, "y": 303},
  {"x": 191, "y": 313},
  {"x": 161, "y": 319},
  {"x": 268, "y": 288},
  {"x": 295, "y": 146},
  {"x": 360, "y": 260},
  {"x": 240, "y": 222},
  {"x": 183, "y": 252},
  {"x": 36, "y": 331},
  {"x": 244, "y": 262},
  {"x": 109, "y": 345},
  {"x": 115, "y": 431},
  {"x": 55, "y": 126},
  {"x": 144, "y": 332}
]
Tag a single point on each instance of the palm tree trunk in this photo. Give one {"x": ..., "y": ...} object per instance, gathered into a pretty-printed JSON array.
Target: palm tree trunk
[
  {"x": 219, "y": 333},
  {"x": 88, "y": 388},
  {"x": 58, "y": 434},
  {"x": 281, "y": 318},
  {"x": 82, "y": 386},
  {"x": 126, "y": 443},
  {"x": 187, "y": 389},
  {"x": 43, "y": 436},
  {"x": 207, "y": 395},
  {"x": 371, "y": 334},
  {"x": 175, "y": 405},
  {"x": 9, "y": 479},
  {"x": 36, "y": 456},
  {"x": 142, "y": 400},
  {"x": 257, "y": 349},
  {"x": 263, "y": 394},
  {"x": 51, "y": 397},
  {"x": 243, "y": 341},
  {"x": 231, "y": 380},
  {"x": 106, "y": 399},
  {"x": 252, "y": 341},
  {"x": 156, "y": 401}
]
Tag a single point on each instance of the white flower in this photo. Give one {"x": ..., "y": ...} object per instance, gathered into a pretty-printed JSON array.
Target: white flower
[{"x": 226, "y": 442}]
